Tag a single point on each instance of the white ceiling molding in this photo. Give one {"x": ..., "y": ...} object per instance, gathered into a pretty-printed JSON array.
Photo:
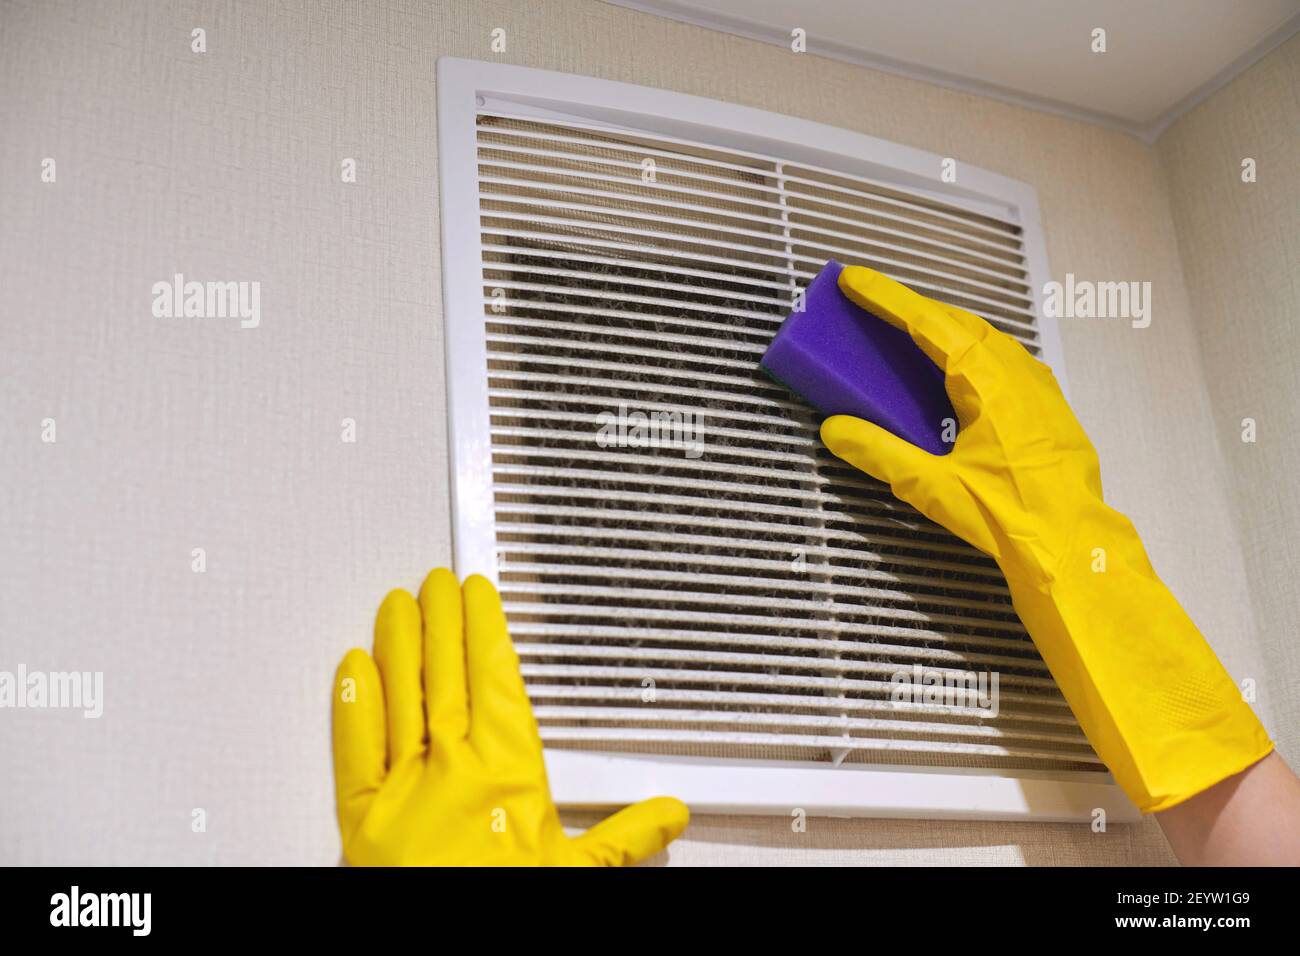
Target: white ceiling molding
[
  {"x": 1149, "y": 132},
  {"x": 1153, "y": 131}
]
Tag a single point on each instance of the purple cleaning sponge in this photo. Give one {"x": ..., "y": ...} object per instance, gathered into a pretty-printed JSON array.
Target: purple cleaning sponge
[{"x": 845, "y": 361}]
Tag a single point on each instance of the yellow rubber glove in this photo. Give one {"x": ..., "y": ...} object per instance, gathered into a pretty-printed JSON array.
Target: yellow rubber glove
[
  {"x": 437, "y": 760},
  {"x": 1023, "y": 485}
]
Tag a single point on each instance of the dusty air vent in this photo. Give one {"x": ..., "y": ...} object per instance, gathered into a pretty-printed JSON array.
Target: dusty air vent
[{"x": 688, "y": 574}]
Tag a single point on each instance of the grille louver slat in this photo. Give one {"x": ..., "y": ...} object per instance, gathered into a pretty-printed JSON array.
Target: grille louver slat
[{"x": 764, "y": 591}]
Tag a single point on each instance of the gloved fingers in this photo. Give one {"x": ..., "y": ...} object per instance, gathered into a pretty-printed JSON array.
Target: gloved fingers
[
  {"x": 398, "y": 653},
  {"x": 1043, "y": 372},
  {"x": 932, "y": 484},
  {"x": 941, "y": 336},
  {"x": 1012, "y": 353},
  {"x": 446, "y": 697},
  {"x": 359, "y": 737},
  {"x": 500, "y": 717},
  {"x": 979, "y": 327},
  {"x": 880, "y": 453},
  {"x": 635, "y": 833}
]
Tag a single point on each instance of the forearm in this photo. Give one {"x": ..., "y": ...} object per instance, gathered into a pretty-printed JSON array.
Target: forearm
[{"x": 1250, "y": 819}]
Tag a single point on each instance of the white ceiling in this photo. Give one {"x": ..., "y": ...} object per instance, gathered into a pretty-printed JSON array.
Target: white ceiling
[{"x": 1162, "y": 55}]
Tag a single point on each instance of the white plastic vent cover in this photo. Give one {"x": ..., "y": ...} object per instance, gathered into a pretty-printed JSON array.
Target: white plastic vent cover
[{"x": 723, "y": 628}]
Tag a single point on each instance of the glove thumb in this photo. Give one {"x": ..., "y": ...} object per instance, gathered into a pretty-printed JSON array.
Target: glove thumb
[
  {"x": 880, "y": 453},
  {"x": 635, "y": 833}
]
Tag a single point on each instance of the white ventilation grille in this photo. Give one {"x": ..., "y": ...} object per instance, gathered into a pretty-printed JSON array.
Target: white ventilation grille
[
  {"x": 724, "y": 626},
  {"x": 767, "y": 590}
]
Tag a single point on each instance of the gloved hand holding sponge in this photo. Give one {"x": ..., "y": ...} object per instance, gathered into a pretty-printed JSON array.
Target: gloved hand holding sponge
[
  {"x": 1023, "y": 485},
  {"x": 436, "y": 751}
]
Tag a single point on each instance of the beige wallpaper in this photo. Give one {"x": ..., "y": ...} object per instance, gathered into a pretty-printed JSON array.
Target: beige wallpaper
[
  {"x": 1240, "y": 246},
  {"x": 178, "y": 436}
]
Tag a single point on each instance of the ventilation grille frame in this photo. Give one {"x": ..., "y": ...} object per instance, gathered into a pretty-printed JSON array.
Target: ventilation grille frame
[{"x": 580, "y": 778}]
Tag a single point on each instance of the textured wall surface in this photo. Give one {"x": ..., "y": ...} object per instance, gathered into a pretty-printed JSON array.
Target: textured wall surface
[
  {"x": 1240, "y": 246},
  {"x": 179, "y": 434}
]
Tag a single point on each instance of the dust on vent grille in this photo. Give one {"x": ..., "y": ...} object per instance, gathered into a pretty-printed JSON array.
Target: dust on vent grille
[{"x": 752, "y": 601}]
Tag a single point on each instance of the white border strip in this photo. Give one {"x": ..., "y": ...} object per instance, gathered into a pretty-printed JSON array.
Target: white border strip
[{"x": 735, "y": 786}]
